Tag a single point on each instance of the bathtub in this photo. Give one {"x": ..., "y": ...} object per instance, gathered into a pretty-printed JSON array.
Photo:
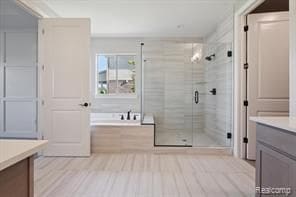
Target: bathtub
[
  {"x": 111, "y": 134},
  {"x": 114, "y": 119}
]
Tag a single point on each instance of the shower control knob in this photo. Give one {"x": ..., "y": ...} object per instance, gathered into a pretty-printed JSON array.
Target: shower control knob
[{"x": 214, "y": 91}]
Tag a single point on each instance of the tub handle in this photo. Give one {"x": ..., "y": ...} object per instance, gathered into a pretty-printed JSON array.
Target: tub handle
[
  {"x": 135, "y": 116},
  {"x": 122, "y": 117}
]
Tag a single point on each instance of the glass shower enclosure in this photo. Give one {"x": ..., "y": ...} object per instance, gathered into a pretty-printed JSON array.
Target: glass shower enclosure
[{"x": 187, "y": 87}]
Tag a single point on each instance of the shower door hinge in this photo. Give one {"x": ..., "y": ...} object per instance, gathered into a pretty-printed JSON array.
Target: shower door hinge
[
  {"x": 246, "y": 103},
  {"x": 229, "y": 135},
  {"x": 246, "y": 66},
  {"x": 245, "y": 140},
  {"x": 246, "y": 28}
]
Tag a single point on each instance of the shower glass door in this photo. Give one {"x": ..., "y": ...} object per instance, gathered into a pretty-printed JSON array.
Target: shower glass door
[
  {"x": 188, "y": 90},
  {"x": 168, "y": 88},
  {"x": 212, "y": 116}
]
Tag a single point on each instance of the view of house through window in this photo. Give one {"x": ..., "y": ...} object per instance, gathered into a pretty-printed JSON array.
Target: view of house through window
[{"x": 116, "y": 74}]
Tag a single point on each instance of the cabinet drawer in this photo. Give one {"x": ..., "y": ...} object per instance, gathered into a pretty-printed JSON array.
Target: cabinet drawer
[{"x": 282, "y": 140}]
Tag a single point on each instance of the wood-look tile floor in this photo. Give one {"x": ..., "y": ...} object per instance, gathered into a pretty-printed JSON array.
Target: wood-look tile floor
[{"x": 144, "y": 175}]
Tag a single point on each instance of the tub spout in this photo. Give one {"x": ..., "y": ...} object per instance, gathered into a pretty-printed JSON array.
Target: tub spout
[{"x": 128, "y": 117}]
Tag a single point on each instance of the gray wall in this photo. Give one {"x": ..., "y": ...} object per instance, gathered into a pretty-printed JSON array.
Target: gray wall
[
  {"x": 18, "y": 72},
  {"x": 107, "y": 103},
  {"x": 14, "y": 17}
]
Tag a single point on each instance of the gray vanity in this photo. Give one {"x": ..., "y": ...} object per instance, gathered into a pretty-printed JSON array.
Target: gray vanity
[{"x": 275, "y": 156}]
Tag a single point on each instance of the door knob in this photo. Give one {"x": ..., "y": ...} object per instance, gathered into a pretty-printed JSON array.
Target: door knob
[{"x": 84, "y": 104}]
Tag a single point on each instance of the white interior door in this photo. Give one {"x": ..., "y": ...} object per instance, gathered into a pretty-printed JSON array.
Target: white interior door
[
  {"x": 65, "y": 58},
  {"x": 268, "y": 73}
]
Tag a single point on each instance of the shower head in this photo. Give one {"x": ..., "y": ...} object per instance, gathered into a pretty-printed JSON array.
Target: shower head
[{"x": 210, "y": 58}]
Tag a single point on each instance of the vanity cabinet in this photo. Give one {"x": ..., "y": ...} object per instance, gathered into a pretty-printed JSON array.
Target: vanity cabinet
[
  {"x": 18, "y": 179},
  {"x": 275, "y": 160},
  {"x": 17, "y": 166}
]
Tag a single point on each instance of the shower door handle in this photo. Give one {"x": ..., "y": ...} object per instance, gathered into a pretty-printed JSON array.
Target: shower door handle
[{"x": 196, "y": 97}]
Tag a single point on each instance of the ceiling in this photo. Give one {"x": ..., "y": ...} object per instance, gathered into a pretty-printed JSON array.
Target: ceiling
[{"x": 144, "y": 18}]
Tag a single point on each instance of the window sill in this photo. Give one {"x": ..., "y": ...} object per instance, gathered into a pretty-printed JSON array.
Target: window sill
[{"x": 118, "y": 96}]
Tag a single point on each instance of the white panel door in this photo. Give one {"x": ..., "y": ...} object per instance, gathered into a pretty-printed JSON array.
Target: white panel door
[
  {"x": 268, "y": 73},
  {"x": 65, "y": 56}
]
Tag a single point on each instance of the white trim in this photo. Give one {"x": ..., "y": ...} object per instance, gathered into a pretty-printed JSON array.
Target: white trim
[
  {"x": 292, "y": 67},
  {"x": 238, "y": 113},
  {"x": 110, "y": 54},
  {"x": 30, "y": 9},
  {"x": 38, "y": 9},
  {"x": 15, "y": 30},
  {"x": 25, "y": 134},
  {"x": 40, "y": 81},
  {"x": 117, "y": 96},
  {"x": 100, "y": 2}
]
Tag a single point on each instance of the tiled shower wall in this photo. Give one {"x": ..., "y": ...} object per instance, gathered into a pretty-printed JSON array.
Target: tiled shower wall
[
  {"x": 170, "y": 79},
  {"x": 218, "y": 74}
]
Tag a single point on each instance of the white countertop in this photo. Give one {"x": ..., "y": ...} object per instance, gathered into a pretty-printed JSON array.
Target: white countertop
[
  {"x": 13, "y": 151},
  {"x": 285, "y": 123}
]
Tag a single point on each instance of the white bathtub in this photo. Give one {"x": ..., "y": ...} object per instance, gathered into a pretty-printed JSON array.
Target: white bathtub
[{"x": 114, "y": 119}]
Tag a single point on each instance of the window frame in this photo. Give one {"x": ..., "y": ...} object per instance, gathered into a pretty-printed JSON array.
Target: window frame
[{"x": 114, "y": 95}]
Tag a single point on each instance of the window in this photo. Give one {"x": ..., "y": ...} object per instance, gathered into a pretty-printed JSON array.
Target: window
[{"x": 116, "y": 74}]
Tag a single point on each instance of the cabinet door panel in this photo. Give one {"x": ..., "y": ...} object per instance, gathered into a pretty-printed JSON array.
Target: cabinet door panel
[{"x": 275, "y": 169}]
